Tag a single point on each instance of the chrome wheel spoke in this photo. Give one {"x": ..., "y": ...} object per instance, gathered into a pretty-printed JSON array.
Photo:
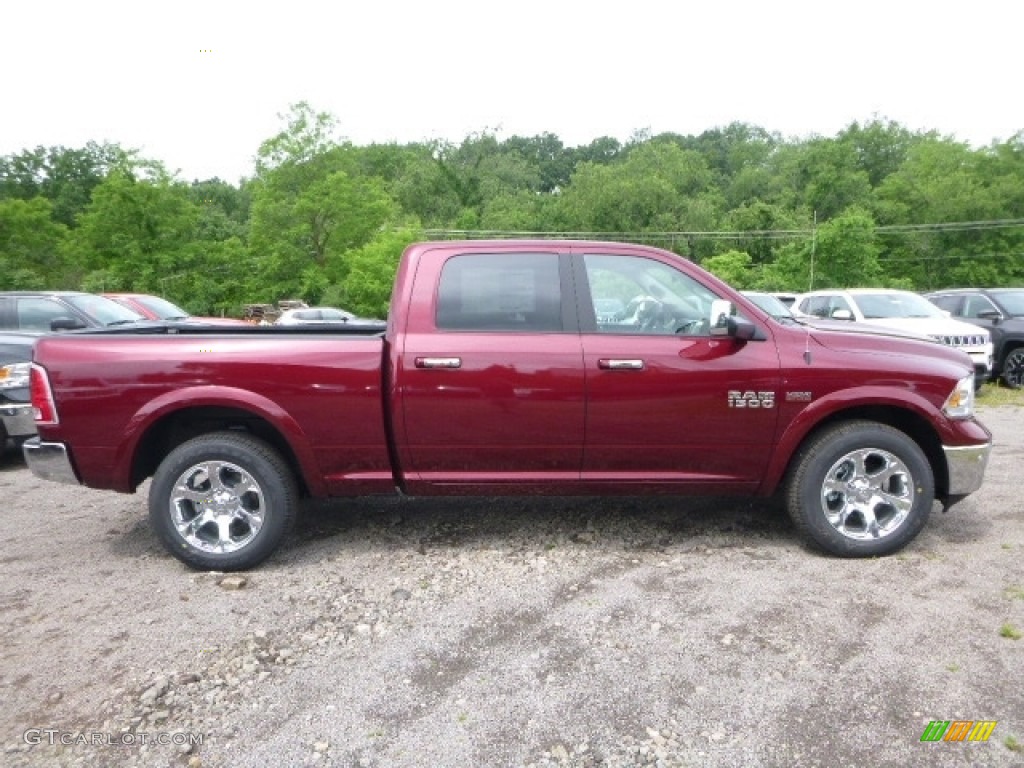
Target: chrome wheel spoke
[
  {"x": 217, "y": 506},
  {"x": 867, "y": 494}
]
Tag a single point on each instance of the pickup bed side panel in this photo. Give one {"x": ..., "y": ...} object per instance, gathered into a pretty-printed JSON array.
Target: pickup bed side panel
[{"x": 321, "y": 393}]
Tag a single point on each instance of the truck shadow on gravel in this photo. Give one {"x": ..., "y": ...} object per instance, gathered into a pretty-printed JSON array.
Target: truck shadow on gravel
[{"x": 627, "y": 524}]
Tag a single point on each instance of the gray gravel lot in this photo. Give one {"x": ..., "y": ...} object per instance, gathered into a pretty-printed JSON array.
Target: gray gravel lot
[{"x": 511, "y": 632}]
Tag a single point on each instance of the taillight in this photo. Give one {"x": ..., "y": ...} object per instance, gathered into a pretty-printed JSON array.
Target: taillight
[{"x": 43, "y": 408}]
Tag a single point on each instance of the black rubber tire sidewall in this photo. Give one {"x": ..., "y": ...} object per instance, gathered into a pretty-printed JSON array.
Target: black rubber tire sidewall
[
  {"x": 1006, "y": 381},
  {"x": 819, "y": 454},
  {"x": 257, "y": 458}
]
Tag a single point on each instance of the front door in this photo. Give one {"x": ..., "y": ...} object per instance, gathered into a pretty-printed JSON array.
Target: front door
[{"x": 667, "y": 403}]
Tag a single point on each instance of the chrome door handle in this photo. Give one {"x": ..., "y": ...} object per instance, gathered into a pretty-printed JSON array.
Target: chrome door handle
[
  {"x": 617, "y": 364},
  {"x": 438, "y": 362}
]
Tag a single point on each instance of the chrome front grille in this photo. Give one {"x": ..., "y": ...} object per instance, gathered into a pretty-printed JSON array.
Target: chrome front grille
[{"x": 967, "y": 340}]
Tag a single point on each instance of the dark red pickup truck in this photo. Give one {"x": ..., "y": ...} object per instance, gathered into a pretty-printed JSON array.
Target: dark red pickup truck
[{"x": 514, "y": 367}]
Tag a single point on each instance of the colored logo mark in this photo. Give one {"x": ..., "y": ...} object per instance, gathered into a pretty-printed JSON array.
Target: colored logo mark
[{"x": 958, "y": 730}]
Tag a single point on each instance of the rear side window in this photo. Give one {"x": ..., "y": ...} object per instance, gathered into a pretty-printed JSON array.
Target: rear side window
[{"x": 500, "y": 292}]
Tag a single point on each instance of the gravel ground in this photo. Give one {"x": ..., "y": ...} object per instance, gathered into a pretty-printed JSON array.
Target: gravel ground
[{"x": 514, "y": 632}]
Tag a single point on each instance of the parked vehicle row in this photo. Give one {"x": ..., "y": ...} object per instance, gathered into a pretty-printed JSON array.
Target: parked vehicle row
[
  {"x": 43, "y": 311},
  {"x": 906, "y": 311},
  {"x": 157, "y": 308}
]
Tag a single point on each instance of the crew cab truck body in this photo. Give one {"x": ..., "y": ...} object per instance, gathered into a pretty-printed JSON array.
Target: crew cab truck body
[{"x": 514, "y": 367}]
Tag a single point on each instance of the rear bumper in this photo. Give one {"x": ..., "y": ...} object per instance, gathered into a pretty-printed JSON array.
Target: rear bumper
[
  {"x": 18, "y": 420},
  {"x": 966, "y": 467},
  {"x": 50, "y": 461}
]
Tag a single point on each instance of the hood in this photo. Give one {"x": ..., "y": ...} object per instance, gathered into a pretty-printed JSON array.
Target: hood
[
  {"x": 849, "y": 326},
  {"x": 930, "y": 326},
  {"x": 859, "y": 338}
]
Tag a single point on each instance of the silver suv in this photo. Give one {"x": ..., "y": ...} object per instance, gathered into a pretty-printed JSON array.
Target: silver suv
[{"x": 906, "y": 311}]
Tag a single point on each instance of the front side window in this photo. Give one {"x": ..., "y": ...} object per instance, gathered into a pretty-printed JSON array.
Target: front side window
[
  {"x": 36, "y": 314},
  {"x": 636, "y": 295},
  {"x": 500, "y": 292},
  {"x": 975, "y": 305}
]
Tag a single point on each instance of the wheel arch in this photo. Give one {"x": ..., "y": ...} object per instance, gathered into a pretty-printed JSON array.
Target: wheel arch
[
  {"x": 184, "y": 414},
  {"x": 911, "y": 423}
]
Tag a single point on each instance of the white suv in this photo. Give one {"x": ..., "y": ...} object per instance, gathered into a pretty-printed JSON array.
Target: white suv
[{"x": 906, "y": 311}]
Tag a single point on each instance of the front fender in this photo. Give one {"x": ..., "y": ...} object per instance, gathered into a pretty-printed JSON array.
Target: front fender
[
  {"x": 143, "y": 420},
  {"x": 833, "y": 406}
]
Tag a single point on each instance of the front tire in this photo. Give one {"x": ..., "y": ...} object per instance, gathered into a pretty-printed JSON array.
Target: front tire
[
  {"x": 222, "y": 501},
  {"x": 860, "y": 489}
]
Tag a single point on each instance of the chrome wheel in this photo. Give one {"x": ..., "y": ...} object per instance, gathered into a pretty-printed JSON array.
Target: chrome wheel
[
  {"x": 217, "y": 507},
  {"x": 867, "y": 494}
]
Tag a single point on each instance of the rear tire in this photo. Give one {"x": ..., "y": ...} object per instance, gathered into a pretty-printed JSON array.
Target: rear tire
[
  {"x": 222, "y": 501},
  {"x": 860, "y": 489}
]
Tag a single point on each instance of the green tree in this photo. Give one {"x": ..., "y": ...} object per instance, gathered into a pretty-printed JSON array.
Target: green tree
[
  {"x": 29, "y": 241},
  {"x": 64, "y": 176},
  {"x": 310, "y": 206},
  {"x": 734, "y": 267},
  {"x": 133, "y": 233}
]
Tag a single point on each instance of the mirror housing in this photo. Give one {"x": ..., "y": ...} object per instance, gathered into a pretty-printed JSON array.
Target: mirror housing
[
  {"x": 991, "y": 314},
  {"x": 842, "y": 314},
  {"x": 723, "y": 322},
  {"x": 66, "y": 324}
]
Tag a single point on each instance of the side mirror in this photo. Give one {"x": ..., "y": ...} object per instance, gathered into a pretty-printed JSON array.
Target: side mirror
[
  {"x": 723, "y": 322},
  {"x": 66, "y": 324},
  {"x": 842, "y": 314},
  {"x": 990, "y": 314}
]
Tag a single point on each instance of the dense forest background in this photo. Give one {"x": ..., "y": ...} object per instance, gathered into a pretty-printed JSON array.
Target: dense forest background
[{"x": 324, "y": 220}]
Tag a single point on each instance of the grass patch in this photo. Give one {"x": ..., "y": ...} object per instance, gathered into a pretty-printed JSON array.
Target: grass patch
[
  {"x": 1011, "y": 743},
  {"x": 996, "y": 394},
  {"x": 953, "y": 667},
  {"x": 1010, "y": 631},
  {"x": 1015, "y": 592}
]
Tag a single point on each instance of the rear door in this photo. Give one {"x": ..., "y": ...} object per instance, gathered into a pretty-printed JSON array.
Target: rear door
[
  {"x": 490, "y": 378},
  {"x": 667, "y": 403}
]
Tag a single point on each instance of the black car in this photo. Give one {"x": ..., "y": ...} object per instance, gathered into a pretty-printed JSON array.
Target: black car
[
  {"x": 42, "y": 311},
  {"x": 15, "y": 407},
  {"x": 1001, "y": 312}
]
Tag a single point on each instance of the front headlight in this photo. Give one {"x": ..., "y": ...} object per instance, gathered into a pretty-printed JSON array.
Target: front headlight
[
  {"x": 14, "y": 376},
  {"x": 960, "y": 403}
]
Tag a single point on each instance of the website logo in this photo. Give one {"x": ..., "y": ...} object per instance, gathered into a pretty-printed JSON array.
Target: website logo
[{"x": 958, "y": 730}]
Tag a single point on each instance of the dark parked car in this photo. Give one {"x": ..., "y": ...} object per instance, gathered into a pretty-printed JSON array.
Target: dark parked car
[
  {"x": 1001, "y": 312},
  {"x": 42, "y": 311},
  {"x": 16, "y": 420}
]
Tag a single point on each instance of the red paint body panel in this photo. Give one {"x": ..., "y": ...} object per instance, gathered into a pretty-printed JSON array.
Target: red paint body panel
[{"x": 454, "y": 411}]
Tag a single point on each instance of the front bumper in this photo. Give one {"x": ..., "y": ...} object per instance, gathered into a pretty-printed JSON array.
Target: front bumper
[
  {"x": 966, "y": 466},
  {"x": 18, "y": 420},
  {"x": 50, "y": 461}
]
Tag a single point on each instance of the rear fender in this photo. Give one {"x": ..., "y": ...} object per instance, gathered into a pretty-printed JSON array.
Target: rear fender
[{"x": 139, "y": 426}]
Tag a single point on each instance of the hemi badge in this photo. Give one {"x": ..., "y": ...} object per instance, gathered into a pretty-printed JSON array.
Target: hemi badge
[{"x": 798, "y": 397}]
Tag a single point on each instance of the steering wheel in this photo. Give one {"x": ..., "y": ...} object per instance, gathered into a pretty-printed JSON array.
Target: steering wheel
[{"x": 645, "y": 312}]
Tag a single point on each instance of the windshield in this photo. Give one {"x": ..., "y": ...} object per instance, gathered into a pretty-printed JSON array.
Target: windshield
[
  {"x": 876, "y": 306},
  {"x": 770, "y": 304},
  {"x": 162, "y": 308},
  {"x": 1011, "y": 301},
  {"x": 103, "y": 310}
]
